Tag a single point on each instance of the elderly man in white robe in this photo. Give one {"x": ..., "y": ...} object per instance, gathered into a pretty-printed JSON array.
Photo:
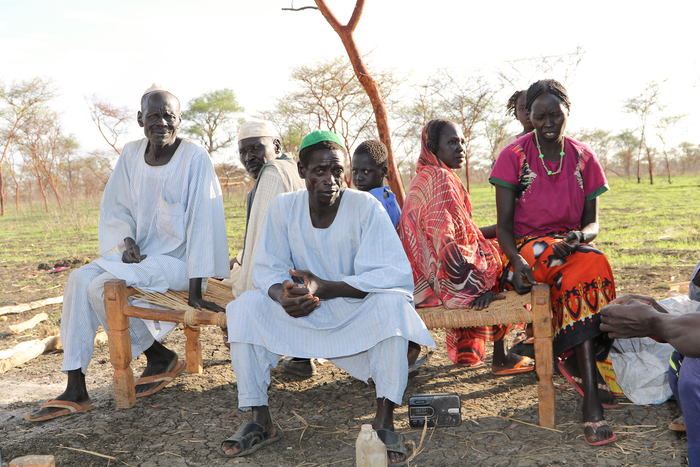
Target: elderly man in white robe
[
  {"x": 161, "y": 227},
  {"x": 352, "y": 303},
  {"x": 260, "y": 152}
]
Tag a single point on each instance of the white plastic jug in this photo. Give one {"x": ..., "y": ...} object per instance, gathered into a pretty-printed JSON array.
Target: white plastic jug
[{"x": 369, "y": 449}]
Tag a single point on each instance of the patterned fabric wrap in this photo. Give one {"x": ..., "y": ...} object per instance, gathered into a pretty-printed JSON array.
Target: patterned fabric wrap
[
  {"x": 581, "y": 285},
  {"x": 452, "y": 262}
]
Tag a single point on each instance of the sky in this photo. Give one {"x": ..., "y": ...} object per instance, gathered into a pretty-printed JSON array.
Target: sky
[{"x": 117, "y": 49}]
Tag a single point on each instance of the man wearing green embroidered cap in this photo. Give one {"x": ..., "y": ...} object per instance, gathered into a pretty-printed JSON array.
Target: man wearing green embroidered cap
[{"x": 332, "y": 282}]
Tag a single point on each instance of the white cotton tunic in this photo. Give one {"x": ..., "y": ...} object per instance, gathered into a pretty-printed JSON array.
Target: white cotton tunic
[
  {"x": 175, "y": 214},
  {"x": 360, "y": 248}
]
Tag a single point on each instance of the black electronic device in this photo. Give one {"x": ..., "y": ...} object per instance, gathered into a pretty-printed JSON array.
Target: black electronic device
[{"x": 439, "y": 409}]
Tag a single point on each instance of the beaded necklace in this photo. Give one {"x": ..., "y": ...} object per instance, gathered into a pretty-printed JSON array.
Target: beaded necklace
[{"x": 561, "y": 155}]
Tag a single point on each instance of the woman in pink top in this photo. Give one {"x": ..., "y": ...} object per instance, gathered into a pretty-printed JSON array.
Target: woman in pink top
[{"x": 547, "y": 188}]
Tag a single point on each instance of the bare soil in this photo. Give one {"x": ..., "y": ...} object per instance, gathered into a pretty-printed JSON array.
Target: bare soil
[{"x": 184, "y": 424}]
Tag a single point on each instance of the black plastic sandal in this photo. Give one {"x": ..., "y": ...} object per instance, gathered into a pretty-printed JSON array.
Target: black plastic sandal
[{"x": 251, "y": 436}]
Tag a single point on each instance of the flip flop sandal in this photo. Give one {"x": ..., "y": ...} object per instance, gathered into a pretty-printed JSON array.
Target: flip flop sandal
[
  {"x": 678, "y": 424},
  {"x": 69, "y": 408},
  {"x": 163, "y": 379},
  {"x": 523, "y": 366},
  {"x": 251, "y": 436},
  {"x": 394, "y": 442},
  {"x": 595, "y": 426},
  {"x": 576, "y": 382}
]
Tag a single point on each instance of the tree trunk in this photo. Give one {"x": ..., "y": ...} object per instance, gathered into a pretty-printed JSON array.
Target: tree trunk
[
  {"x": 639, "y": 157},
  {"x": 37, "y": 172},
  {"x": 53, "y": 183},
  {"x": 371, "y": 88},
  {"x": 668, "y": 167},
  {"x": 651, "y": 166},
  {"x": 2, "y": 193}
]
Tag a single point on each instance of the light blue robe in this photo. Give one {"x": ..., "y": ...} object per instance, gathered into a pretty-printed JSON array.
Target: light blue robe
[
  {"x": 174, "y": 212},
  {"x": 360, "y": 248}
]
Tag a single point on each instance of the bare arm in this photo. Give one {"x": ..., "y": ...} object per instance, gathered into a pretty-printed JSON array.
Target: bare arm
[
  {"x": 489, "y": 231},
  {"x": 505, "y": 207},
  {"x": 635, "y": 318}
]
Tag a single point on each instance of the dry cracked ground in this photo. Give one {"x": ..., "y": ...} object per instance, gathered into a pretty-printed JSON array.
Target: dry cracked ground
[{"x": 184, "y": 424}]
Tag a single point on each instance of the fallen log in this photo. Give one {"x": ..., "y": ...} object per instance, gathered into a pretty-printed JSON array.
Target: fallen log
[
  {"x": 22, "y": 307},
  {"x": 26, "y": 351},
  {"x": 33, "y": 461},
  {"x": 20, "y": 327}
]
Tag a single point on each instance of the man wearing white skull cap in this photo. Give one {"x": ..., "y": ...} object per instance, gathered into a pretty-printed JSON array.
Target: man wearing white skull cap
[
  {"x": 161, "y": 227},
  {"x": 260, "y": 151}
]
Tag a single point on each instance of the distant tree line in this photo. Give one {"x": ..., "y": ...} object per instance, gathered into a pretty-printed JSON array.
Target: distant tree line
[{"x": 39, "y": 161}]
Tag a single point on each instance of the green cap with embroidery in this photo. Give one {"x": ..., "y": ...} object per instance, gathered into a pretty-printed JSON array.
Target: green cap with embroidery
[{"x": 318, "y": 136}]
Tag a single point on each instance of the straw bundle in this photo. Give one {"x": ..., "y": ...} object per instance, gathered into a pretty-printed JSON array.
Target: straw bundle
[{"x": 177, "y": 300}]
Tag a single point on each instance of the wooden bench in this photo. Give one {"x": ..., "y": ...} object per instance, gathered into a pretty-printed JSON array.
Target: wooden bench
[
  {"x": 118, "y": 313},
  {"x": 512, "y": 310}
]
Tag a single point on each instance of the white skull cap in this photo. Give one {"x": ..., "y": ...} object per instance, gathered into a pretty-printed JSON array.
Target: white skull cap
[
  {"x": 256, "y": 128},
  {"x": 159, "y": 87}
]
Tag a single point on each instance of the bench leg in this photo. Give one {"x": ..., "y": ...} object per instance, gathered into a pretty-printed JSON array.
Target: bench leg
[
  {"x": 119, "y": 343},
  {"x": 193, "y": 350},
  {"x": 544, "y": 356}
]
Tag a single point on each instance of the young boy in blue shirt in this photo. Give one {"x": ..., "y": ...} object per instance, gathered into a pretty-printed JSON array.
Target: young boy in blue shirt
[{"x": 369, "y": 167}]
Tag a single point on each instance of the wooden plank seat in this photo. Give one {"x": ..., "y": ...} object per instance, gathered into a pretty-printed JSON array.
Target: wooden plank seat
[{"x": 512, "y": 310}]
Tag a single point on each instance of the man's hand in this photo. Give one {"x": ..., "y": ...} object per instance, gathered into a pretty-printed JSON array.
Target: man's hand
[
  {"x": 641, "y": 298},
  {"x": 523, "y": 280},
  {"x": 628, "y": 318},
  {"x": 132, "y": 254},
  {"x": 314, "y": 284},
  {"x": 296, "y": 300},
  {"x": 568, "y": 245}
]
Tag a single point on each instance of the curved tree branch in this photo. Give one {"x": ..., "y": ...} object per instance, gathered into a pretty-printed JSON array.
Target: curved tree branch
[{"x": 371, "y": 88}]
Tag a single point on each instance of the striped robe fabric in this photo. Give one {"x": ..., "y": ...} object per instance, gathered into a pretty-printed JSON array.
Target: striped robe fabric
[
  {"x": 175, "y": 214},
  {"x": 276, "y": 177},
  {"x": 360, "y": 248}
]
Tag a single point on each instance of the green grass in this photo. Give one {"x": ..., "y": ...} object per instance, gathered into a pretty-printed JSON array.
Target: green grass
[
  {"x": 32, "y": 235},
  {"x": 640, "y": 224}
]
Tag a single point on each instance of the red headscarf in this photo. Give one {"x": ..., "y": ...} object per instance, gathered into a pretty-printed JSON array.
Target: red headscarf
[{"x": 452, "y": 261}]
